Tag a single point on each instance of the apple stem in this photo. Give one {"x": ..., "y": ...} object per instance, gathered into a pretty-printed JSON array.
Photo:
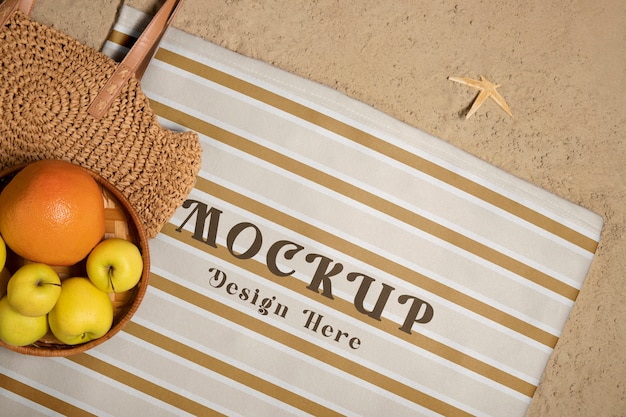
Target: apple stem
[
  {"x": 111, "y": 269},
  {"x": 40, "y": 283}
]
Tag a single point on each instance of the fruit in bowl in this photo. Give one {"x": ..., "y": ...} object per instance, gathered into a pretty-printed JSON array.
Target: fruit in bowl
[
  {"x": 54, "y": 216},
  {"x": 115, "y": 265},
  {"x": 17, "y": 329},
  {"x": 5, "y": 274},
  {"x": 52, "y": 212},
  {"x": 3, "y": 253},
  {"x": 33, "y": 289},
  {"x": 82, "y": 313}
]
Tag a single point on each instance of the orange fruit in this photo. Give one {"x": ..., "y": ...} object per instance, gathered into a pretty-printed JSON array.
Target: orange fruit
[{"x": 52, "y": 212}]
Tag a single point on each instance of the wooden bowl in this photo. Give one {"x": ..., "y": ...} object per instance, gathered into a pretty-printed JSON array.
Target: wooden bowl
[{"x": 121, "y": 221}]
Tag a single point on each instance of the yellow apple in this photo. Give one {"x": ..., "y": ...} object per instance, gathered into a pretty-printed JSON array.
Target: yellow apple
[
  {"x": 3, "y": 253},
  {"x": 17, "y": 329},
  {"x": 5, "y": 275},
  {"x": 115, "y": 265},
  {"x": 82, "y": 312},
  {"x": 34, "y": 289}
]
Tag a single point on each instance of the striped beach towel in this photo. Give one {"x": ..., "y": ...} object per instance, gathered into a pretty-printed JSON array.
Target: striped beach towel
[{"x": 329, "y": 261}]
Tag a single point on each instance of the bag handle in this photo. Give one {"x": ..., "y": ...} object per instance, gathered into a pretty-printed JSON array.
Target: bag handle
[
  {"x": 137, "y": 59},
  {"x": 9, "y": 6},
  {"x": 134, "y": 63}
]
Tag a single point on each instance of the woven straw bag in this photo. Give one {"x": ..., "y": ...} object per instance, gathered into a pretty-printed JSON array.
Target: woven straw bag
[{"x": 60, "y": 99}]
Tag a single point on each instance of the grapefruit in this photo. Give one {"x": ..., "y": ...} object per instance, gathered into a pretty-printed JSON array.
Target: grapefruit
[{"x": 52, "y": 212}]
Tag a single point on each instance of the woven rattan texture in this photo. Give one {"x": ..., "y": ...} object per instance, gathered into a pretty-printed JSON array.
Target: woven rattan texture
[{"x": 48, "y": 80}]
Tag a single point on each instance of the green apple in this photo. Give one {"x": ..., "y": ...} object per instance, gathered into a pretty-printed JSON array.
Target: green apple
[
  {"x": 5, "y": 275},
  {"x": 82, "y": 313},
  {"x": 34, "y": 289},
  {"x": 115, "y": 265},
  {"x": 17, "y": 329}
]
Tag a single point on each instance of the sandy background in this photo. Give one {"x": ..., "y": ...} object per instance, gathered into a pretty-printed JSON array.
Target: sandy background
[{"x": 562, "y": 67}]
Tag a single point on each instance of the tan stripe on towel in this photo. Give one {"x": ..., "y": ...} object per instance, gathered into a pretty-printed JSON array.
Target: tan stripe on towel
[
  {"x": 229, "y": 371},
  {"x": 377, "y": 144},
  {"x": 42, "y": 398},
  {"x": 143, "y": 385},
  {"x": 368, "y": 199},
  {"x": 419, "y": 340},
  {"x": 380, "y": 262},
  {"x": 317, "y": 352}
]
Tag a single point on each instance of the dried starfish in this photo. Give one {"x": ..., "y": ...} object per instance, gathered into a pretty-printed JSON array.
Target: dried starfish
[{"x": 487, "y": 90}]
